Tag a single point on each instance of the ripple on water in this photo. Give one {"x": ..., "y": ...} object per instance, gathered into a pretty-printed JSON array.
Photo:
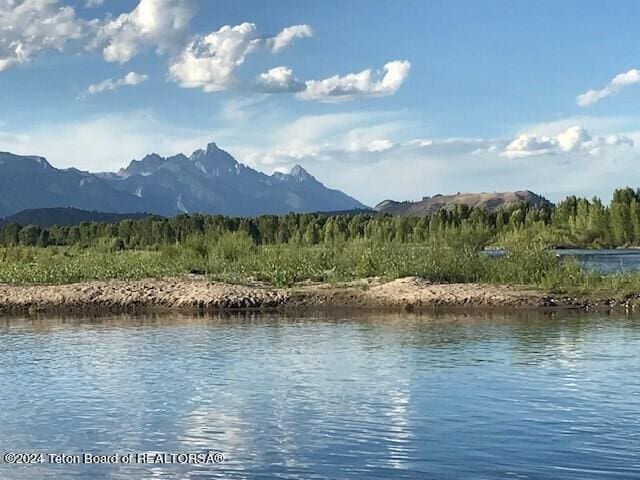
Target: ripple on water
[{"x": 377, "y": 396}]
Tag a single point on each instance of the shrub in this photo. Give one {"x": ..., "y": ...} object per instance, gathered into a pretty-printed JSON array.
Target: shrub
[{"x": 232, "y": 246}]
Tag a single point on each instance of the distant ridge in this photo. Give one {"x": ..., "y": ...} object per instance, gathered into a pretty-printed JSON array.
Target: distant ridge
[
  {"x": 66, "y": 217},
  {"x": 487, "y": 201},
  {"x": 352, "y": 212}
]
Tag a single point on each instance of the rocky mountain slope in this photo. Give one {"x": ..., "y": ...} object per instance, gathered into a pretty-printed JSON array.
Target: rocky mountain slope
[
  {"x": 213, "y": 181},
  {"x": 31, "y": 182}
]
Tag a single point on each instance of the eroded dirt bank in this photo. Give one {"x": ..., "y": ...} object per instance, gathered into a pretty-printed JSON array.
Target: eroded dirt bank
[{"x": 194, "y": 293}]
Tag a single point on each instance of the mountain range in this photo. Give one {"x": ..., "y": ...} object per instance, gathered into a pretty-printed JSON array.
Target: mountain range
[{"x": 208, "y": 181}]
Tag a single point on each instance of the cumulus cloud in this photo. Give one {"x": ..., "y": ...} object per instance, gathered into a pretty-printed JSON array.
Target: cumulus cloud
[
  {"x": 572, "y": 140},
  {"x": 29, "y": 27},
  {"x": 529, "y": 146},
  {"x": 278, "y": 80},
  {"x": 209, "y": 62},
  {"x": 612, "y": 88},
  {"x": 287, "y": 35},
  {"x": 338, "y": 88},
  {"x": 159, "y": 24},
  {"x": 358, "y": 85},
  {"x": 130, "y": 79}
]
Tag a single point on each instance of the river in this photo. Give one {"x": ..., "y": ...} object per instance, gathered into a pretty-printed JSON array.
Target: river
[
  {"x": 603, "y": 260},
  {"x": 329, "y": 395}
]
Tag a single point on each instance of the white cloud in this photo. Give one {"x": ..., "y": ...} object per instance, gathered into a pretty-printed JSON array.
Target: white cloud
[
  {"x": 528, "y": 146},
  {"x": 575, "y": 139},
  {"x": 453, "y": 146},
  {"x": 131, "y": 78},
  {"x": 287, "y": 35},
  {"x": 335, "y": 131},
  {"x": 373, "y": 175},
  {"x": 29, "y": 27},
  {"x": 209, "y": 62},
  {"x": 278, "y": 80},
  {"x": 104, "y": 143},
  {"x": 159, "y": 24},
  {"x": 378, "y": 145},
  {"x": 590, "y": 123},
  {"x": 377, "y": 156},
  {"x": 358, "y": 85},
  {"x": 618, "y": 82}
]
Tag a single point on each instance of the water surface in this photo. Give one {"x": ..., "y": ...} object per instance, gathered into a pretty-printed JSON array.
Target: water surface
[
  {"x": 603, "y": 260},
  {"x": 487, "y": 396}
]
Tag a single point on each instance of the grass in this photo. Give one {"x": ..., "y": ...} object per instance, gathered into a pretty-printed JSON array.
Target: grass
[
  {"x": 29, "y": 265},
  {"x": 235, "y": 258}
]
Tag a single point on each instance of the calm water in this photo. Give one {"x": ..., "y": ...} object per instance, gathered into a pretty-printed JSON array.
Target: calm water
[
  {"x": 617, "y": 260},
  {"x": 480, "y": 396},
  {"x": 605, "y": 260}
]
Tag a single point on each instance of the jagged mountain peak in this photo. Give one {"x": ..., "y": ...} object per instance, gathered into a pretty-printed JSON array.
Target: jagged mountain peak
[
  {"x": 211, "y": 180},
  {"x": 213, "y": 157},
  {"x": 212, "y": 147},
  {"x": 300, "y": 173},
  {"x": 297, "y": 174},
  {"x": 148, "y": 163}
]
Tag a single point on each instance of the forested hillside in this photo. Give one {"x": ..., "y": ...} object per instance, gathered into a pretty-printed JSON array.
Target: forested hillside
[
  {"x": 65, "y": 216},
  {"x": 573, "y": 222}
]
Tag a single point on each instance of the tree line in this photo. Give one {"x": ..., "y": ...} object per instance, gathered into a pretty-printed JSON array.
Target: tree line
[{"x": 573, "y": 222}]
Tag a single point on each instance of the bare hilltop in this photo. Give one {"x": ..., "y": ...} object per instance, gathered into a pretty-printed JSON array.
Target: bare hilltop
[{"x": 487, "y": 201}]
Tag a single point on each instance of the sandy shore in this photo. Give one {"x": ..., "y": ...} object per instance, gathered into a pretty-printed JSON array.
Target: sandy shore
[{"x": 196, "y": 293}]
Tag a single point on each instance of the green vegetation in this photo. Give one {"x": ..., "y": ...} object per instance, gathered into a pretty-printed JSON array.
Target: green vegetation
[
  {"x": 573, "y": 222},
  {"x": 445, "y": 247},
  {"x": 234, "y": 257}
]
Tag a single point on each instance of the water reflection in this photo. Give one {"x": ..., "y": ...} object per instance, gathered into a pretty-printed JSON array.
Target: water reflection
[{"x": 328, "y": 394}]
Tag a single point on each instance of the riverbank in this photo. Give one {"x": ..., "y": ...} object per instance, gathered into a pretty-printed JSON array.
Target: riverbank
[{"x": 196, "y": 293}]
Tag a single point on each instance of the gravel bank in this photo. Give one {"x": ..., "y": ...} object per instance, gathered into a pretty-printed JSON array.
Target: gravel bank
[{"x": 196, "y": 293}]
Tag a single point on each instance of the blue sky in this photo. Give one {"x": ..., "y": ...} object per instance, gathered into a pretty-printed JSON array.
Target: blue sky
[{"x": 459, "y": 96}]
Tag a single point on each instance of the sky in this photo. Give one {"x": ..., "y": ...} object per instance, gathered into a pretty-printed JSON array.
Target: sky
[{"x": 379, "y": 98}]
